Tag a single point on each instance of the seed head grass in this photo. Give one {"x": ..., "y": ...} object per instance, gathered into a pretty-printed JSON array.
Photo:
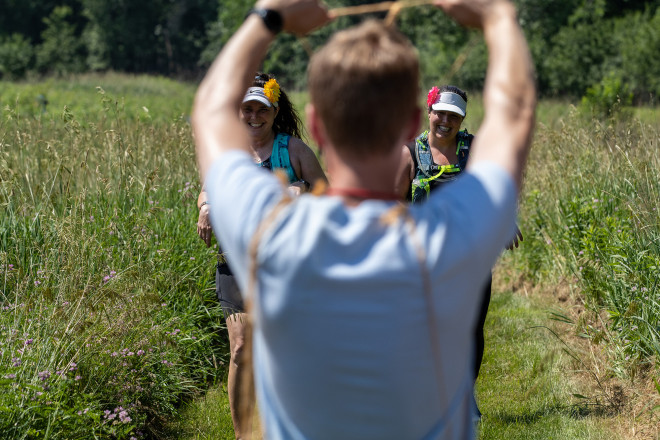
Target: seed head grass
[{"x": 108, "y": 318}]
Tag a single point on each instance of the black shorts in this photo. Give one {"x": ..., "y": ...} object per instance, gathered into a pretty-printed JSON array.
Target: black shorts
[{"x": 227, "y": 291}]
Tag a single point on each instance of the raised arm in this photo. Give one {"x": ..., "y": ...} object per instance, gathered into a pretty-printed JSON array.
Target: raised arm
[
  {"x": 509, "y": 94},
  {"x": 215, "y": 118}
]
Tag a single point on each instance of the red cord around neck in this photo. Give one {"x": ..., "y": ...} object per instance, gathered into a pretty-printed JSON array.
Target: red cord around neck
[{"x": 361, "y": 194}]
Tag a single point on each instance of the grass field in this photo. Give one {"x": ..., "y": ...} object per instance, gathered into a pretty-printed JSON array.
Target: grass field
[{"x": 108, "y": 321}]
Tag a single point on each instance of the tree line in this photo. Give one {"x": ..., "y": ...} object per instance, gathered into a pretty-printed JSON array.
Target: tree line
[{"x": 579, "y": 46}]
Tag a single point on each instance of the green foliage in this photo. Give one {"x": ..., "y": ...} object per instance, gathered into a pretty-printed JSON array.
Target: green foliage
[
  {"x": 229, "y": 17},
  {"x": 576, "y": 59},
  {"x": 59, "y": 52},
  {"x": 155, "y": 36},
  {"x": 15, "y": 56},
  {"x": 574, "y": 43},
  {"x": 108, "y": 319},
  {"x": 608, "y": 98},
  {"x": 638, "y": 38},
  {"x": 590, "y": 216}
]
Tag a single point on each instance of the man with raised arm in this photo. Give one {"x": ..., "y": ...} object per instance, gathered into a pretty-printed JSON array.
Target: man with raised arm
[{"x": 363, "y": 309}]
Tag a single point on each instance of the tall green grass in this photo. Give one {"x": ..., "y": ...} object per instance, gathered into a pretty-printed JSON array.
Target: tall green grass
[
  {"x": 108, "y": 320},
  {"x": 590, "y": 216},
  {"x": 107, "y": 314}
]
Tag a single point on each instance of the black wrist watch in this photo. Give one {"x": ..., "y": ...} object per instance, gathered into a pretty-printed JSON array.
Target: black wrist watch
[{"x": 271, "y": 18}]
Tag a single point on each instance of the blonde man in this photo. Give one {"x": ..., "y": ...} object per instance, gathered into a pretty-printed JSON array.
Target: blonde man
[{"x": 364, "y": 314}]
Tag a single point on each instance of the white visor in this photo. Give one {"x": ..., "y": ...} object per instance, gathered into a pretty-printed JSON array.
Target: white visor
[
  {"x": 257, "y": 94},
  {"x": 450, "y": 102}
]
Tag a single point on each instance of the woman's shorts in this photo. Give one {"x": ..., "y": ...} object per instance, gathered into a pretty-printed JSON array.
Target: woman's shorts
[{"x": 226, "y": 288}]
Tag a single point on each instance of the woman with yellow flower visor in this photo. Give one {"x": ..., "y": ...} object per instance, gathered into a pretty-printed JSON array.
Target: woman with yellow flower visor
[{"x": 275, "y": 130}]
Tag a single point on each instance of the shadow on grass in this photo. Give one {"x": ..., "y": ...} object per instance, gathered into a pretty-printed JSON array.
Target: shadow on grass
[{"x": 576, "y": 412}]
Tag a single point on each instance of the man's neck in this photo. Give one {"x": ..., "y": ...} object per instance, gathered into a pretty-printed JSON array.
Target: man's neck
[{"x": 373, "y": 175}]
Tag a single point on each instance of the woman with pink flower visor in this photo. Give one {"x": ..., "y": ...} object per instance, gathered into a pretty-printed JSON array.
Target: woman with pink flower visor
[
  {"x": 438, "y": 156},
  {"x": 275, "y": 131}
]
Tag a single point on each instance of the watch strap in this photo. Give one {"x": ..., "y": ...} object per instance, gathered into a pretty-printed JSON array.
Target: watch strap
[{"x": 270, "y": 17}]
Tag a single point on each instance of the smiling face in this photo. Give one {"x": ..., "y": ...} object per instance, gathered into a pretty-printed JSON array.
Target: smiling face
[
  {"x": 443, "y": 124},
  {"x": 259, "y": 118}
]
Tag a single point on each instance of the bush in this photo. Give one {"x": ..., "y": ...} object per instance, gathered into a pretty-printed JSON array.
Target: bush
[
  {"x": 607, "y": 98},
  {"x": 60, "y": 51},
  {"x": 16, "y": 56},
  {"x": 638, "y": 37}
]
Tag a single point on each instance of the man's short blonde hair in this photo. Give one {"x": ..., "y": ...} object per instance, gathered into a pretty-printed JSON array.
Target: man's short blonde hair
[{"x": 364, "y": 85}]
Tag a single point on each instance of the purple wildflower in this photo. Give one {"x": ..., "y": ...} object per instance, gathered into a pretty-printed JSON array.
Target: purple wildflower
[{"x": 123, "y": 417}]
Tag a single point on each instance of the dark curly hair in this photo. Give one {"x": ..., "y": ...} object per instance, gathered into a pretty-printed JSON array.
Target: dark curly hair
[{"x": 287, "y": 119}]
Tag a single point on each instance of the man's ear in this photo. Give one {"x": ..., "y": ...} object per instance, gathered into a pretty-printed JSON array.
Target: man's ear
[
  {"x": 413, "y": 126},
  {"x": 315, "y": 125}
]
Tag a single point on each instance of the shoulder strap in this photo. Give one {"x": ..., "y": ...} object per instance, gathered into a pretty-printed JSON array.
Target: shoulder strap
[
  {"x": 464, "y": 141},
  {"x": 423, "y": 156},
  {"x": 280, "y": 156}
]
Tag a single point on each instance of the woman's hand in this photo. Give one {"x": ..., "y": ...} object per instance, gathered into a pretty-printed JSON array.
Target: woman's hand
[
  {"x": 204, "y": 229},
  {"x": 298, "y": 188},
  {"x": 516, "y": 239}
]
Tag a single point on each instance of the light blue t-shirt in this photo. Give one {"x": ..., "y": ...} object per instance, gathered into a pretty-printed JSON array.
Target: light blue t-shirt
[{"x": 342, "y": 338}]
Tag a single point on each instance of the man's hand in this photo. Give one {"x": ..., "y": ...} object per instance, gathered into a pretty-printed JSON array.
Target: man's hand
[
  {"x": 471, "y": 13},
  {"x": 204, "y": 225},
  {"x": 299, "y": 16}
]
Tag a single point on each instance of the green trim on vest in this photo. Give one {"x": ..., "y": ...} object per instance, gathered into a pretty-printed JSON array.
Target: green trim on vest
[{"x": 428, "y": 172}]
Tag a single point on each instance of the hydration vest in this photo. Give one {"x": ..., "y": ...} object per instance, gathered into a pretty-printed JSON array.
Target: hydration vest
[
  {"x": 279, "y": 157},
  {"x": 430, "y": 175}
]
